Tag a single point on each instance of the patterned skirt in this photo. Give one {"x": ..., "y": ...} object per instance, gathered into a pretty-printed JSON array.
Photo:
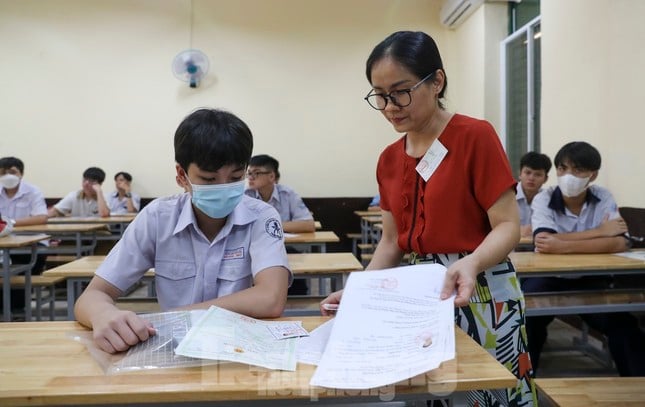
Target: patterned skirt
[{"x": 495, "y": 319}]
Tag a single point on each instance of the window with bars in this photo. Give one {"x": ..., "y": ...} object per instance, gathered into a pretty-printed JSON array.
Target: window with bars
[{"x": 521, "y": 82}]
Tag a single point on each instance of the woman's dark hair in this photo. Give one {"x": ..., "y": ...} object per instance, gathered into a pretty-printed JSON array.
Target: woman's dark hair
[
  {"x": 211, "y": 139},
  {"x": 415, "y": 50}
]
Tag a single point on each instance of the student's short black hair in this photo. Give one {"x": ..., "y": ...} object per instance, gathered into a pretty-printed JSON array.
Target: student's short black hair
[
  {"x": 211, "y": 139},
  {"x": 94, "y": 174},
  {"x": 264, "y": 160},
  {"x": 580, "y": 154},
  {"x": 414, "y": 50},
  {"x": 126, "y": 175},
  {"x": 8, "y": 162},
  {"x": 536, "y": 161}
]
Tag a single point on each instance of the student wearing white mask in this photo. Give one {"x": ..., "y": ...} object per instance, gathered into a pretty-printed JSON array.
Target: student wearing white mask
[
  {"x": 21, "y": 204},
  {"x": 210, "y": 245},
  {"x": 579, "y": 217}
]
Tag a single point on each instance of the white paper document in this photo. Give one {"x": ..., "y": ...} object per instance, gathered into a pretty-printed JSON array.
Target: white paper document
[
  {"x": 225, "y": 335},
  {"x": 390, "y": 326},
  {"x": 310, "y": 348},
  {"x": 636, "y": 254}
]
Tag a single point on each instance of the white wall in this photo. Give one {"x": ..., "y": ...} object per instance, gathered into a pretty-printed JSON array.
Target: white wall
[
  {"x": 593, "y": 86},
  {"x": 87, "y": 83}
]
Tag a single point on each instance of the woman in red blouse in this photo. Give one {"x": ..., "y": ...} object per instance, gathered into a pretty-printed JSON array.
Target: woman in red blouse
[{"x": 448, "y": 197}]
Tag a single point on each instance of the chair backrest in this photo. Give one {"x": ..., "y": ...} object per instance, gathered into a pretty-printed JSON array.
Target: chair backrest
[{"x": 635, "y": 218}]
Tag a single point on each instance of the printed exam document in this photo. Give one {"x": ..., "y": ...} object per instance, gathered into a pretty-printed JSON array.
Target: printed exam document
[
  {"x": 390, "y": 326},
  {"x": 225, "y": 335}
]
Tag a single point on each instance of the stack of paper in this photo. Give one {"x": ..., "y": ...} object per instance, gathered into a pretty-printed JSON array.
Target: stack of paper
[{"x": 391, "y": 326}]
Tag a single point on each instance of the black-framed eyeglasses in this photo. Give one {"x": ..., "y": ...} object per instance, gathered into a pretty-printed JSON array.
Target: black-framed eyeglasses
[
  {"x": 400, "y": 98},
  {"x": 254, "y": 174}
]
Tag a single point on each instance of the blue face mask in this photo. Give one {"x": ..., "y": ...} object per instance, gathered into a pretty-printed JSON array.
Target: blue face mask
[{"x": 217, "y": 201}]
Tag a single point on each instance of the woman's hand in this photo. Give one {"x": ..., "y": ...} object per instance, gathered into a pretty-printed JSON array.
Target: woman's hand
[
  {"x": 460, "y": 278},
  {"x": 333, "y": 299}
]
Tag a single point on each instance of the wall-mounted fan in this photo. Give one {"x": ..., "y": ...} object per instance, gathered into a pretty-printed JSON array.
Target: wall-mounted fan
[{"x": 190, "y": 66}]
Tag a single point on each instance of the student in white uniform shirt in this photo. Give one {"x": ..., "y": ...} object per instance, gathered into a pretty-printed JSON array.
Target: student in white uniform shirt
[
  {"x": 87, "y": 202},
  {"x": 210, "y": 245},
  {"x": 534, "y": 172},
  {"x": 21, "y": 204},
  {"x": 263, "y": 175},
  {"x": 578, "y": 217},
  {"x": 123, "y": 200}
]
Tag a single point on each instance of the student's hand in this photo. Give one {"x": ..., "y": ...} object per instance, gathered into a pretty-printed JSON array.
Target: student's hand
[
  {"x": 123, "y": 185},
  {"x": 116, "y": 331},
  {"x": 549, "y": 243},
  {"x": 333, "y": 299},
  {"x": 96, "y": 187},
  {"x": 460, "y": 277},
  {"x": 614, "y": 227}
]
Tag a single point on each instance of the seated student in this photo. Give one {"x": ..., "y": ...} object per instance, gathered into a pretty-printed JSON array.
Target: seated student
[
  {"x": 576, "y": 217},
  {"x": 123, "y": 200},
  {"x": 211, "y": 245},
  {"x": 263, "y": 176},
  {"x": 375, "y": 205},
  {"x": 21, "y": 204},
  {"x": 87, "y": 202},
  {"x": 534, "y": 172}
]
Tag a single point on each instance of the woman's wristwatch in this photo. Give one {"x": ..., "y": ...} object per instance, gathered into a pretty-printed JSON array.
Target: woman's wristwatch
[{"x": 128, "y": 195}]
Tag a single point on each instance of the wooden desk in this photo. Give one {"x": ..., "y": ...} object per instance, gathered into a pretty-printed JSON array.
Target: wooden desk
[
  {"x": 314, "y": 240},
  {"x": 81, "y": 271},
  {"x": 593, "y": 391},
  {"x": 7, "y": 245},
  {"x": 42, "y": 366},
  {"x": 368, "y": 219},
  {"x": 77, "y": 231},
  {"x": 311, "y": 265},
  {"x": 335, "y": 266},
  {"x": 116, "y": 223},
  {"x": 531, "y": 264}
]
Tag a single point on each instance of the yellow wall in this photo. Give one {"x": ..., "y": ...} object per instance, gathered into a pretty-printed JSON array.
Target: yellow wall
[
  {"x": 593, "y": 87},
  {"x": 89, "y": 83}
]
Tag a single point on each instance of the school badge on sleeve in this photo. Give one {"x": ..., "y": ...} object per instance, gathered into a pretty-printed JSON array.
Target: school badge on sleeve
[{"x": 274, "y": 228}]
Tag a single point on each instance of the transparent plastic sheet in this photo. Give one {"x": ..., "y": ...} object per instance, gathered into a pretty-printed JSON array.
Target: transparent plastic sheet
[{"x": 158, "y": 352}]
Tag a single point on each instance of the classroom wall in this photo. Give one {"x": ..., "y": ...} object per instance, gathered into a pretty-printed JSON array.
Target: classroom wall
[
  {"x": 593, "y": 87},
  {"x": 87, "y": 83}
]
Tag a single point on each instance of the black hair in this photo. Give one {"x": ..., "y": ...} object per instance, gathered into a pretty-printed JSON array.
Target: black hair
[
  {"x": 94, "y": 174},
  {"x": 536, "y": 161},
  {"x": 580, "y": 154},
  {"x": 264, "y": 160},
  {"x": 126, "y": 175},
  {"x": 211, "y": 139},
  {"x": 415, "y": 50},
  {"x": 8, "y": 162}
]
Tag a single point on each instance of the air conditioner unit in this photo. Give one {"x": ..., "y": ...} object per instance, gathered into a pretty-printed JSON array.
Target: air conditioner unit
[{"x": 455, "y": 12}]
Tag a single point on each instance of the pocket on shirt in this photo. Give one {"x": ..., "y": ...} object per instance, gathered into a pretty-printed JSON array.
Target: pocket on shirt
[
  {"x": 174, "y": 281},
  {"x": 233, "y": 278}
]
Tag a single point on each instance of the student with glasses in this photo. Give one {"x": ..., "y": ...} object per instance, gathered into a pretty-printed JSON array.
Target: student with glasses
[
  {"x": 263, "y": 176},
  {"x": 448, "y": 197}
]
